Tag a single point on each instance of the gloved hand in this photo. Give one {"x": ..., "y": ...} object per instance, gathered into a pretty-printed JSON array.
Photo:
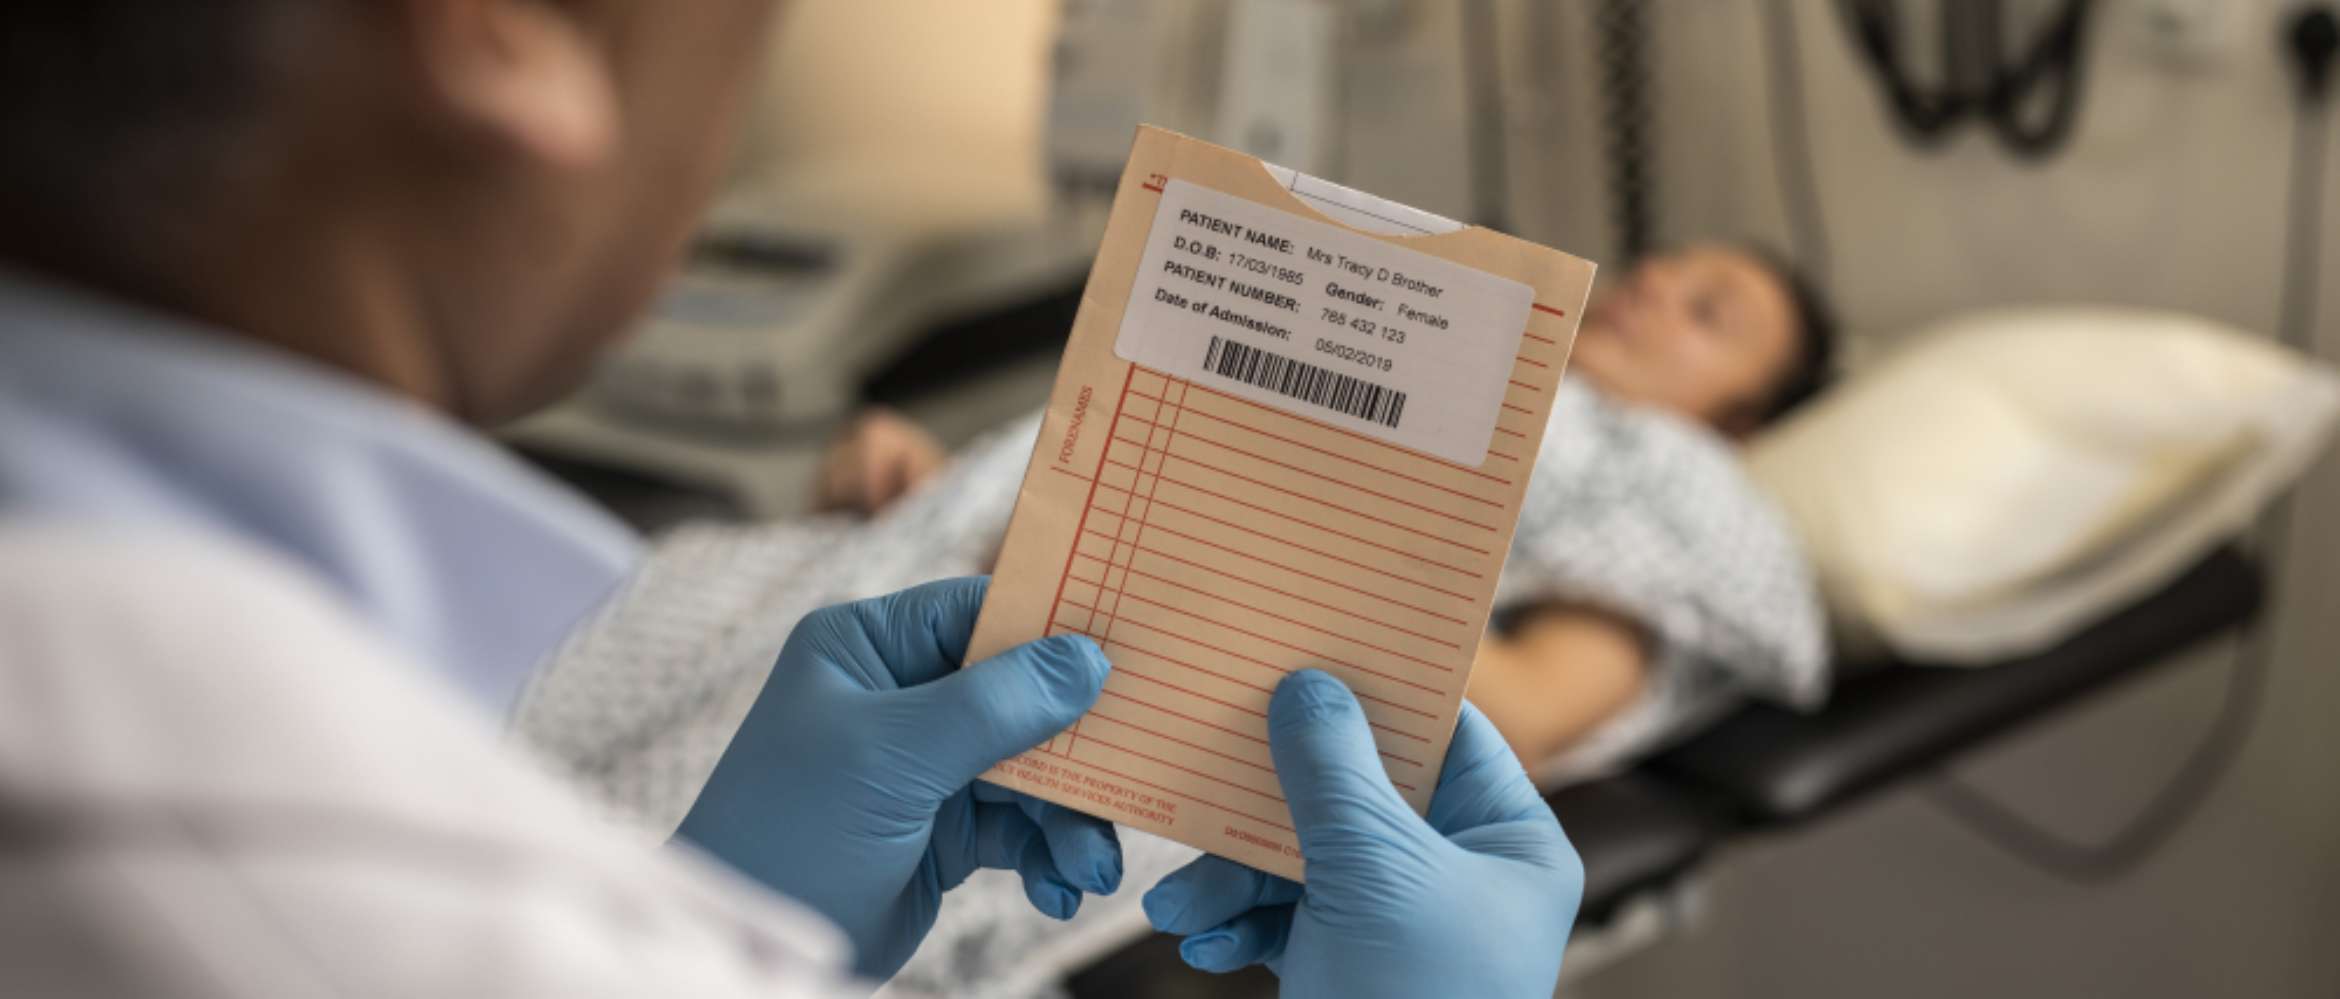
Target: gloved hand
[
  {"x": 850, "y": 787},
  {"x": 1475, "y": 902}
]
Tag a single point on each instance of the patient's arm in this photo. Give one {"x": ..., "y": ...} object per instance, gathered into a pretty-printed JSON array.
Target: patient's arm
[
  {"x": 1563, "y": 671},
  {"x": 878, "y": 459}
]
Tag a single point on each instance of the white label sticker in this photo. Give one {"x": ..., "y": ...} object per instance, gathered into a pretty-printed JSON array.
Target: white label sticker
[{"x": 1325, "y": 323}]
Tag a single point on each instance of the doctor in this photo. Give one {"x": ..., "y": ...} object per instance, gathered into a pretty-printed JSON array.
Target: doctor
[{"x": 263, "y": 595}]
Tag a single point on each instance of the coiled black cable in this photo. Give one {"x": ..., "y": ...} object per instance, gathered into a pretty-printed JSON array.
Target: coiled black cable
[
  {"x": 1626, "y": 122},
  {"x": 1979, "y": 78},
  {"x": 2312, "y": 40}
]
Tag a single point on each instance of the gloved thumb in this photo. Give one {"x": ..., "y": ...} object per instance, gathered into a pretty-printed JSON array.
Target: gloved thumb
[
  {"x": 974, "y": 718},
  {"x": 1330, "y": 769}
]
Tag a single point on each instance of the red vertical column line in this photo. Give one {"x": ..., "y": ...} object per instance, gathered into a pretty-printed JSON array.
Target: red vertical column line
[
  {"x": 1104, "y": 638},
  {"x": 1170, "y": 436},
  {"x": 1073, "y": 550},
  {"x": 1073, "y": 738},
  {"x": 1121, "y": 515}
]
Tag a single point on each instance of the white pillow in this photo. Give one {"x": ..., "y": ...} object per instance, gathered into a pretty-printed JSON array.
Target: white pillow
[{"x": 2011, "y": 477}]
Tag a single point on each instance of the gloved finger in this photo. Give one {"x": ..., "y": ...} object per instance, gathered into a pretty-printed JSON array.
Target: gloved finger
[
  {"x": 920, "y": 634},
  {"x": 1482, "y": 782},
  {"x": 1210, "y": 891},
  {"x": 967, "y": 722},
  {"x": 1330, "y": 769},
  {"x": 1007, "y": 839},
  {"x": 1086, "y": 848},
  {"x": 1256, "y": 937}
]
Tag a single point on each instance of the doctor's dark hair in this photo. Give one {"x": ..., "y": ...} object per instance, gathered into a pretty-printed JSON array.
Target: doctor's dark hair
[
  {"x": 1813, "y": 365},
  {"x": 110, "y": 108}
]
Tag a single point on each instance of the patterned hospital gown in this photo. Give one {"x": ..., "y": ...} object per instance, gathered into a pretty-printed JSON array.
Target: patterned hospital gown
[{"x": 1630, "y": 510}]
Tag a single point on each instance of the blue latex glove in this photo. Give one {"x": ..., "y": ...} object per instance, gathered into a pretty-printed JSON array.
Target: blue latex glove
[
  {"x": 851, "y": 786},
  {"x": 1475, "y": 902}
]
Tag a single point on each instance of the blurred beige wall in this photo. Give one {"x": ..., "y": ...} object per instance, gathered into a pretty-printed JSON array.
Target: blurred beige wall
[
  {"x": 2171, "y": 194},
  {"x": 901, "y": 108}
]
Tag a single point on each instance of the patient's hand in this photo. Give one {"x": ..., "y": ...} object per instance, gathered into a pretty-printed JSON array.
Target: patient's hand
[
  {"x": 1565, "y": 670},
  {"x": 880, "y": 458}
]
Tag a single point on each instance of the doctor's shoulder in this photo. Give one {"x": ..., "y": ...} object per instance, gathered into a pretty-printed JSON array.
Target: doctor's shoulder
[{"x": 196, "y": 733}]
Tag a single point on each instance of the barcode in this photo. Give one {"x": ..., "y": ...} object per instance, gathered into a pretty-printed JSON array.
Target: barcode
[{"x": 1305, "y": 382}]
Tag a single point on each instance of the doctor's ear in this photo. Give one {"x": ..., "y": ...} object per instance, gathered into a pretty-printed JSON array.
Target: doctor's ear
[{"x": 523, "y": 73}]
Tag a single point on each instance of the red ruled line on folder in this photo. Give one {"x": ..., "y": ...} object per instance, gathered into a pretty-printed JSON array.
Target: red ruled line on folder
[
  {"x": 1166, "y": 737},
  {"x": 1166, "y": 581},
  {"x": 1270, "y": 473},
  {"x": 1246, "y": 736},
  {"x": 1360, "y": 514},
  {"x": 1473, "y": 497},
  {"x": 1255, "y": 532},
  {"x": 1091, "y": 501},
  {"x": 1270, "y": 795},
  {"x": 1311, "y": 473},
  {"x": 1120, "y": 533},
  {"x": 1313, "y": 602},
  {"x": 1183, "y": 716},
  {"x": 1264, "y": 664},
  {"x": 1204, "y": 774},
  {"x": 1305, "y": 522},
  {"x": 1377, "y": 442},
  {"x": 1322, "y": 656},
  {"x": 1121, "y": 669},
  {"x": 1215, "y": 570},
  {"x": 1190, "y": 796}
]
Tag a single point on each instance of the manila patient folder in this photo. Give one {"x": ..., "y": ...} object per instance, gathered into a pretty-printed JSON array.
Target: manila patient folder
[{"x": 1292, "y": 429}]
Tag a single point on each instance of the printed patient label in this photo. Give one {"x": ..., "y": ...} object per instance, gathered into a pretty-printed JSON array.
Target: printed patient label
[{"x": 1325, "y": 323}]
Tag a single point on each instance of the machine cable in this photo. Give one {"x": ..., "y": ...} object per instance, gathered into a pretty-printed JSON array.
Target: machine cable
[
  {"x": 1979, "y": 77},
  {"x": 2311, "y": 39}
]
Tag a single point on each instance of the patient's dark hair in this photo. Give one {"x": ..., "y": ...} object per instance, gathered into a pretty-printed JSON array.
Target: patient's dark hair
[{"x": 1813, "y": 365}]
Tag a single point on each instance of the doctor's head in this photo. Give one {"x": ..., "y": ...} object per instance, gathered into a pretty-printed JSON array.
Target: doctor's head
[
  {"x": 462, "y": 199},
  {"x": 1726, "y": 336}
]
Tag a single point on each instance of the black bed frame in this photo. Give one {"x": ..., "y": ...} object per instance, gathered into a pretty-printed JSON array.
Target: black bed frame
[{"x": 1766, "y": 770}]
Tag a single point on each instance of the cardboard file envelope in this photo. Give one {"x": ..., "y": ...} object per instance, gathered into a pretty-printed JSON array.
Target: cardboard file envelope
[{"x": 1278, "y": 441}]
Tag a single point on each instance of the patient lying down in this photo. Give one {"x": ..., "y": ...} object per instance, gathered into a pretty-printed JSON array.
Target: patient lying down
[
  {"x": 1648, "y": 588},
  {"x": 1648, "y": 585},
  {"x": 1636, "y": 506}
]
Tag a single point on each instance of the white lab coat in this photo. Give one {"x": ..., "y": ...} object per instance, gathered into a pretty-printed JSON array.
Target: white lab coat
[
  {"x": 257, "y": 623},
  {"x": 215, "y": 782}
]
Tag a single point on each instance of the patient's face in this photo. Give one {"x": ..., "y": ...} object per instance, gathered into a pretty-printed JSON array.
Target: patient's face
[{"x": 1704, "y": 332}]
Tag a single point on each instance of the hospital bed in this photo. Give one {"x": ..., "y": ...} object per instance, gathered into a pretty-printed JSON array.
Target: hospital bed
[
  {"x": 1762, "y": 771},
  {"x": 1767, "y": 771}
]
